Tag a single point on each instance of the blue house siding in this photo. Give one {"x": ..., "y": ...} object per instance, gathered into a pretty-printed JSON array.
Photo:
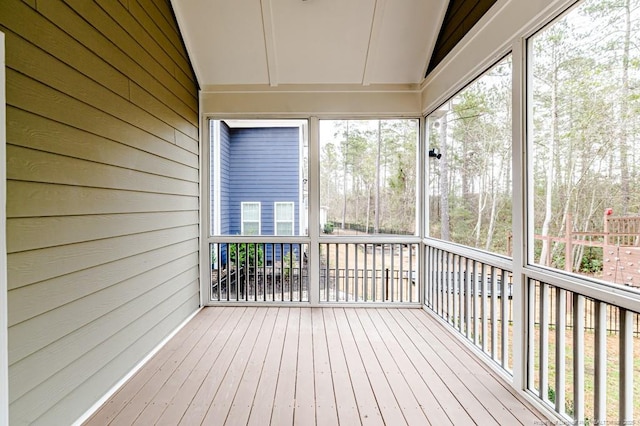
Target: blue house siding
[
  {"x": 263, "y": 167},
  {"x": 225, "y": 177}
]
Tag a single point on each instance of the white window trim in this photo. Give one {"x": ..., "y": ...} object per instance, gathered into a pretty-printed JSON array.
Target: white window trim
[
  {"x": 276, "y": 221},
  {"x": 242, "y": 220}
]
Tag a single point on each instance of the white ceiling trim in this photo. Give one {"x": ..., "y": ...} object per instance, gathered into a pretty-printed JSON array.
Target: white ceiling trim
[
  {"x": 376, "y": 28},
  {"x": 270, "y": 42}
]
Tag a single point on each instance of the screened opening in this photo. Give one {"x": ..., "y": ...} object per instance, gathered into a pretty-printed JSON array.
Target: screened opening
[
  {"x": 259, "y": 177},
  {"x": 368, "y": 172},
  {"x": 469, "y": 161},
  {"x": 584, "y": 125}
]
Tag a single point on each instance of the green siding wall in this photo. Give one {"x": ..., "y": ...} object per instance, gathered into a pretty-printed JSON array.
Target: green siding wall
[{"x": 102, "y": 196}]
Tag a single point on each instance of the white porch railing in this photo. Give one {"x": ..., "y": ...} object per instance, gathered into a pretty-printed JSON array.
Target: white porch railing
[
  {"x": 580, "y": 354},
  {"x": 580, "y": 339},
  {"x": 369, "y": 270},
  {"x": 350, "y": 270},
  {"x": 475, "y": 298},
  {"x": 259, "y": 272}
]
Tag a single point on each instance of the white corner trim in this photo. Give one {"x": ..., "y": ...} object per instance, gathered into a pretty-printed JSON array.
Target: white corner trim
[{"x": 4, "y": 348}]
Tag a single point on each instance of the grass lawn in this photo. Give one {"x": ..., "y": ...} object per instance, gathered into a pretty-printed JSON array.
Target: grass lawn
[{"x": 589, "y": 357}]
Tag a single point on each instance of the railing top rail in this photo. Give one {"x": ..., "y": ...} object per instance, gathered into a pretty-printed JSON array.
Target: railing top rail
[
  {"x": 613, "y": 294},
  {"x": 259, "y": 239},
  {"x": 487, "y": 258},
  {"x": 370, "y": 239}
]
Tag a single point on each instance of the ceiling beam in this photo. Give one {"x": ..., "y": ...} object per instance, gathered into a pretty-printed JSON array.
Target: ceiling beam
[
  {"x": 269, "y": 42},
  {"x": 372, "y": 49}
]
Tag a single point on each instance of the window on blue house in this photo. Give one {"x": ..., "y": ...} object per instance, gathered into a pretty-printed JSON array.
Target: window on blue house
[
  {"x": 261, "y": 161},
  {"x": 250, "y": 218},
  {"x": 284, "y": 218}
]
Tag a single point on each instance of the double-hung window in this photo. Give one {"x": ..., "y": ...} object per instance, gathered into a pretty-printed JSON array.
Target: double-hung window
[
  {"x": 250, "y": 218},
  {"x": 284, "y": 218}
]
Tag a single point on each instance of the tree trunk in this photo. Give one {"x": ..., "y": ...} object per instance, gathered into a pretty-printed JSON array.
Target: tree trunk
[
  {"x": 344, "y": 177},
  {"x": 368, "y": 208},
  {"x": 550, "y": 166},
  {"x": 444, "y": 182},
  {"x": 624, "y": 111},
  {"x": 494, "y": 210}
]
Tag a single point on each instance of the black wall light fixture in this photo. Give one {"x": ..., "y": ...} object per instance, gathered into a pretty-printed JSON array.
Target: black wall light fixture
[{"x": 435, "y": 153}]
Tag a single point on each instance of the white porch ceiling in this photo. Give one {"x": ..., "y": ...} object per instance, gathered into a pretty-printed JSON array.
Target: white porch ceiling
[{"x": 309, "y": 42}]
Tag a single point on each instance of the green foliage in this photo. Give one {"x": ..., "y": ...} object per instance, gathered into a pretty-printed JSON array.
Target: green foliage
[
  {"x": 289, "y": 262},
  {"x": 592, "y": 260},
  {"x": 246, "y": 254},
  {"x": 328, "y": 228}
]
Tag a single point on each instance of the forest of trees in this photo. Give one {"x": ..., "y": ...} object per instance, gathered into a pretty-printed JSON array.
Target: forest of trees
[
  {"x": 586, "y": 93},
  {"x": 583, "y": 125},
  {"x": 368, "y": 174},
  {"x": 470, "y": 184}
]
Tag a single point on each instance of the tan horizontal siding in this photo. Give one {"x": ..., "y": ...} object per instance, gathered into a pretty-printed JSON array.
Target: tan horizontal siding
[
  {"x": 37, "y": 233},
  {"x": 31, "y": 165},
  {"x": 62, "y": 290},
  {"x": 32, "y": 27},
  {"x": 33, "y": 199},
  {"x": 160, "y": 13},
  {"x": 102, "y": 196},
  {"x": 43, "y": 100},
  {"x": 57, "y": 261},
  {"x": 146, "y": 29},
  {"x": 73, "y": 343},
  {"x": 79, "y": 20},
  {"x": 38, "y": 132},
  {"x": 114, "y": 355}
]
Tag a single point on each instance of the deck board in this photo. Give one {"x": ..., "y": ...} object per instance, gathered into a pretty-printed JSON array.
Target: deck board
[
  {"x": 370, "y": 412},
  {"x": 284, "y": 400},
  {"x": 161, "y": 374},
  {"x": 346, "y": 404},
  {"x": 505, "y": 408},
  {"x": 246, "y": 392},
  {"x": 263, "y": 401},
  {"x": 314, "y": 366},
  {"x": 169, "y": 390},
  {"x": 121, "y": 401},
  {"x": 388, "y": 401},
  {"x": 234, "y": 356},
  {"x": 420, "y": 390},
  {"x": 325, "y": 401}
]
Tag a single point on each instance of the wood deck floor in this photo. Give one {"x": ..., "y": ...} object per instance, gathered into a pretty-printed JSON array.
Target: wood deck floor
[{"x": 322, "y": 366}]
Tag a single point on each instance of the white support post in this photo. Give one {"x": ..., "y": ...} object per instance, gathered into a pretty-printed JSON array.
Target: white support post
[
  {"x": 600, "y": 374},
  {"x": 422, "y": 207},
  {"x": 519, "y": 215},
  {"x": 578, "y": 358},
  {"x": 314, "y": 211},
  {"x": 205, "y": 210},
  {"x": 544, "y": 342},
  {"x": 561, "y": 355},
  {"x": 626, "y": 367}
]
